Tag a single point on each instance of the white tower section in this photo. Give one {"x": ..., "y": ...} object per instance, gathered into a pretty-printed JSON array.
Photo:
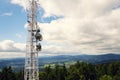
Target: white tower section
[{"x": 33, "y": 46}]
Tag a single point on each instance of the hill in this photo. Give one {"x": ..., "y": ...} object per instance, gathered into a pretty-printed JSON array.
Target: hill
[{"x": 61, "y": 59}]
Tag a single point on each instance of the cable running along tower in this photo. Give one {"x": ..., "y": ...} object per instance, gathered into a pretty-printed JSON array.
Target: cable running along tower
[{"x": 33, "y": 46}]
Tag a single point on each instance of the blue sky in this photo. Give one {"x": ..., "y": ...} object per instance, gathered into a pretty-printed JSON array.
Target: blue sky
[
  {"x": 13, "y": 19},
  {"x": 11, "y": 24},
  {"x": 69, "y": 27}
]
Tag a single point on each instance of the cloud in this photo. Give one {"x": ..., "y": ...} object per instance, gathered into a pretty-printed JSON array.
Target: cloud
[
  {"x": 7, "y": 14},
  {"x": 22, "y": 3},
  {"x": 11, "y": 46},
  {"x": 21, "y": 35},
  {"x": 18, "y": 35},
  {"x": 78, "y": 7},
  {"x": 9, "y": 55},
  {"x": 87, "y": 27},
  {"x": 90, "y": 27}
]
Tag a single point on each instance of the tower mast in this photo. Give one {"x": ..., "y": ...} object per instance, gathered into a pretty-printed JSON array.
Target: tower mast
[{"x": 33, "y": 46}]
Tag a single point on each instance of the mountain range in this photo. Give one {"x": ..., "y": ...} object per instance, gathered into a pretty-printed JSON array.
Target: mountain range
[{"x": 61, "y": 59}]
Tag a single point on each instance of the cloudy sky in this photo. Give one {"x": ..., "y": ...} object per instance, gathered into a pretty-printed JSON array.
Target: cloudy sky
[{"x": 68, "y": 27}]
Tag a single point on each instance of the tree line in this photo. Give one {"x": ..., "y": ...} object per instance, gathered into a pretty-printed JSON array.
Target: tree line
[{"x": 78, "y": 71}]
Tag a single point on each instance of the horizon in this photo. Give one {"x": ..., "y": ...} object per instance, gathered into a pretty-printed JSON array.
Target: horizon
[
  {"x": 49, "y": 55},
  {"x": 69, "y": 28}
]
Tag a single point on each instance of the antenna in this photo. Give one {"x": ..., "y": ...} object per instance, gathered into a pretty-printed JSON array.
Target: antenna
[{"x": 33, "y": 46}]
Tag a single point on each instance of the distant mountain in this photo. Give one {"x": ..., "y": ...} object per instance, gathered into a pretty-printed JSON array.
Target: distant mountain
[
  {"x": 84, "y": 58},
  {"x": 94, "y": 59}
]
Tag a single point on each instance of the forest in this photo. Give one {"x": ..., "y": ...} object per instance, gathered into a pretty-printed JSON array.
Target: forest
[{"x": 78, "y": 71}]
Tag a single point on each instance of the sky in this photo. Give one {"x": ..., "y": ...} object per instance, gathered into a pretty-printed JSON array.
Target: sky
[{"x": 69, "y": 27}]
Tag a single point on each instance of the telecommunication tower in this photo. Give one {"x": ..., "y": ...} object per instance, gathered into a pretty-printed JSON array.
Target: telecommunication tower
[{"x": 33, "y": 46}]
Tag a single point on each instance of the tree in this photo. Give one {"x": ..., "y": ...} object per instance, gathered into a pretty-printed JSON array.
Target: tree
[
  {"x": 42, "y": 76},
  {"x": 20, "y": 75},
  {"x": 7, "y": 74},
  {"x": 116, "y": 77},
  {"x": 78, "y": 71},
  {"x": 106, "y": 77}
]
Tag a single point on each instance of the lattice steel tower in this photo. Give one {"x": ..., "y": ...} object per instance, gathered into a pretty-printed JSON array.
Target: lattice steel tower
[{"x": 33, "y": 46}]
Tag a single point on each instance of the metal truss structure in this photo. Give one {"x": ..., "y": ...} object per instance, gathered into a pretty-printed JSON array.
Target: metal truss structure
[{"x": 33, "y": 46}]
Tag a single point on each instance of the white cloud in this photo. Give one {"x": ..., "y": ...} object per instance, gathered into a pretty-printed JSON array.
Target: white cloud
[
  {"x": 18, "y": 35},
  {"x": 7, "y": 14},
  {"x": 8, "y": 55},
  {"x": 87, "y": 27},
  {"x": 11, "y": 46},
  {"x": 21, "y": 3}
]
